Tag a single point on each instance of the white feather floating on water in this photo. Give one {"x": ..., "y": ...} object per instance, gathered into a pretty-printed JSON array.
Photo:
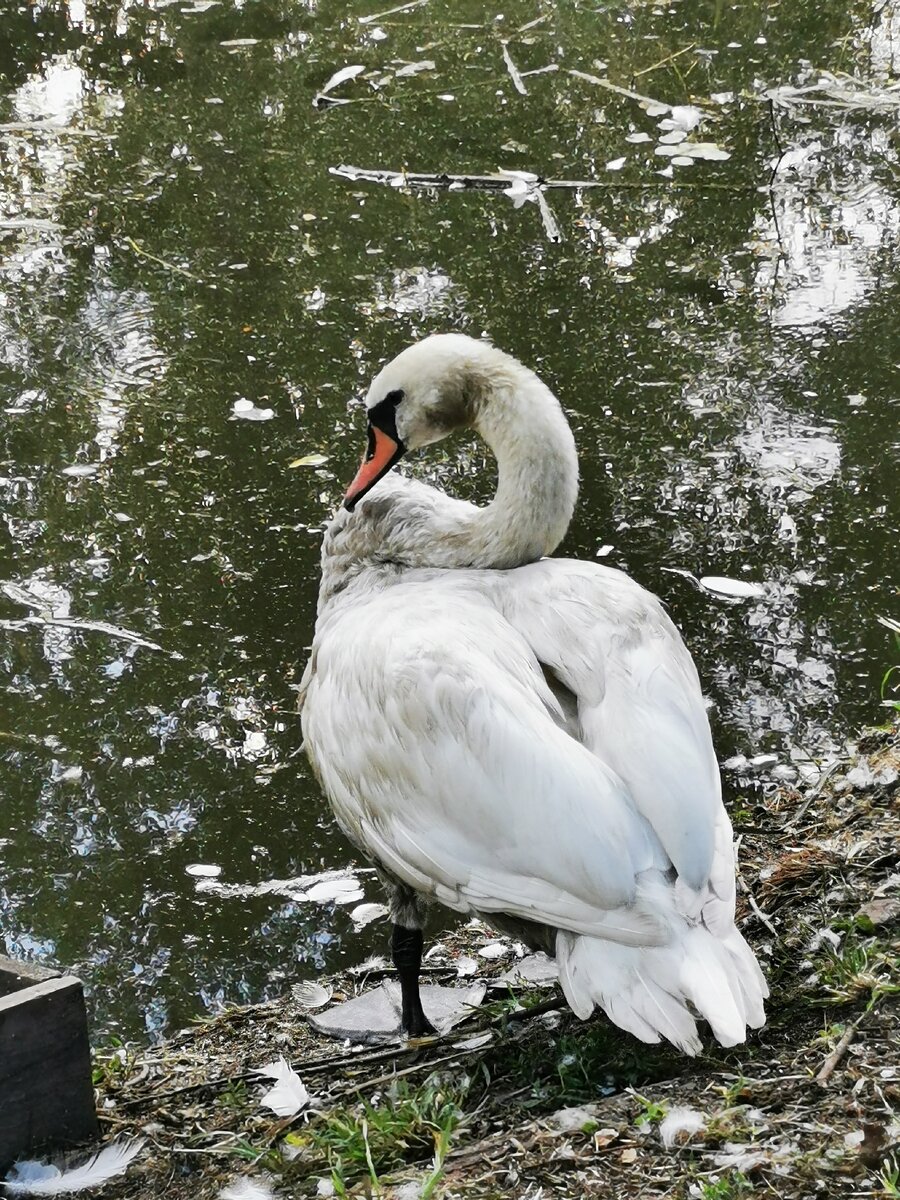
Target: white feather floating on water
[
  {"x": 363, "y": 914},
  {"x": 289, "y": 1095},
  {"x": 31, "y": 1178},
  {"x": 244, "y": 1188},
  {"x": 679, "y": 1125}
]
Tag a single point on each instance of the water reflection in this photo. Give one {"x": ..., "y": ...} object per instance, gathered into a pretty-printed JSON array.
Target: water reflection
[{"x": 177, "y": 255}]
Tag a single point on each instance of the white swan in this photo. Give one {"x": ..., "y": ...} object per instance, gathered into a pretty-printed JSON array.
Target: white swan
[{"x": 518, "y": 736}]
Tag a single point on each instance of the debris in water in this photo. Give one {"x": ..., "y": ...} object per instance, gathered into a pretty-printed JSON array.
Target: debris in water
[
  {"x": 513, "y": 71},
  {"x": 308, "y": 460},
  {"x": 414, "y": 68},
  {"x": 720, "y": 585},
  {"x": 81, "y": 470},
  {"x": 323, "y": 97},
  {"x": 706, "y": 150},
  {"x": 246, "y": 410},
  {"x": 684, "y": 117},
  {"x": 364, "y": 914},
  {"x": 390, "y": 12},
  {"x": 738, "y": 589}
]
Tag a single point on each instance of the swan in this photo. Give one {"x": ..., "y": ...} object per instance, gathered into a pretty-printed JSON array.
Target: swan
[{"x": 516, "y": 736}]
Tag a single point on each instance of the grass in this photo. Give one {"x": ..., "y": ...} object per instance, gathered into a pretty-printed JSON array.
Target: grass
[
  {"x": 728, "y": 1187},
  {"x": 406, "y": 1124},
  {"x": 860, "y": 968},
  {"x": 889, "y": 1178}
]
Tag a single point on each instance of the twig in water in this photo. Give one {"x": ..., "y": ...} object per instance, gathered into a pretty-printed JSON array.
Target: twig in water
[
  {"x": 390, "y": 12},
  {"x": 500, "y": 183},
  {"x": 142, "y": 253},
  {"x": 513, "y": 71},
  {"x": 662, "y": 62},
  {"x": 113, "y": 631},
  {"x": 620, "y": 91}
]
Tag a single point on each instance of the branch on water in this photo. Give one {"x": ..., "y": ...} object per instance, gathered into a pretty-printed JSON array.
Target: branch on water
[{"x": 500, "y": 183}]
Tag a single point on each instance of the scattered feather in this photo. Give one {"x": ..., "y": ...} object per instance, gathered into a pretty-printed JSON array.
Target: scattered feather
[
  {"x": 375, "y": 962},
  {"x": 244, "y": 1188},
  {"x": 289, "y": 1095},
  {"x": 738, "y": 589},
  {"x": 364, "y": 914},
  {"x": 342, "y": 76},
  {"x": 31, "y": 1178},
  {"x": 679, "y": 1125},
  {"x": 493, "y": 950},
  {"x": 721, "y": 585},
  {"x": 310, "y": 994}
]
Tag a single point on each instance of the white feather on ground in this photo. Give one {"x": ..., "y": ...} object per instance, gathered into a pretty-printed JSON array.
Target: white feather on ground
[
  {"x": 244, "y": 1188},
  {"x": 680, "y": 1124},
  {"x": 32, "y": 1178},
  {"x": 289, "y": 1095}
]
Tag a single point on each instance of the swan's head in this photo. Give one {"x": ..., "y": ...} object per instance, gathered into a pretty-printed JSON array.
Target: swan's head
[{"x": 422, "y": 395}]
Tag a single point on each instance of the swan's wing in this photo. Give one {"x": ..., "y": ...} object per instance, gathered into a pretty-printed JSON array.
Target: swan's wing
[
  {"x": 639, "y": 703},
  {"x": 443, "y": 752}
]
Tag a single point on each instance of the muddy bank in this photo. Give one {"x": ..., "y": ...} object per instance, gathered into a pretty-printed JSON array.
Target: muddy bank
[{"x": 511, "y": 1102}]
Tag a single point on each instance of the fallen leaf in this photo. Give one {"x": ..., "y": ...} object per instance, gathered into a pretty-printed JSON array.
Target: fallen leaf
[{"x": 308, "y": 460}]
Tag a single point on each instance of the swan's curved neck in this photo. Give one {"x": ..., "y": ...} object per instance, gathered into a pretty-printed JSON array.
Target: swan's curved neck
[{"x": 537, "y": 474}]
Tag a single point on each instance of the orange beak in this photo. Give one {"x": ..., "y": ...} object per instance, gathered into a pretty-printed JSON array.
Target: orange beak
[{"x": 381, "y": 454}]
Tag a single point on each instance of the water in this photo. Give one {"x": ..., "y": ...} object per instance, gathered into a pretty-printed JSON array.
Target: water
[{"x": 726, "y": 341}]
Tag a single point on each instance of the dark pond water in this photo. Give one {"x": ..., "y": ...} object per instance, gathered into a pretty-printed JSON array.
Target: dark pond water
[{"x": 725, "y": 335}]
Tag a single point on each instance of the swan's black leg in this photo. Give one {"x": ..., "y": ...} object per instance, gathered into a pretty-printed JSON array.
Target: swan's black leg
[{"x": 406, "y": 950}]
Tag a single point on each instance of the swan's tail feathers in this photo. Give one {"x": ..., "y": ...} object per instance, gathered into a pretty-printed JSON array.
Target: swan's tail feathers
[{"x": 657, "y": 992}]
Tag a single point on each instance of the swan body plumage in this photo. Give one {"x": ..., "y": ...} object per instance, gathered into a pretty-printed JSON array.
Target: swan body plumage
[{"x": 518, "y": 736}]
